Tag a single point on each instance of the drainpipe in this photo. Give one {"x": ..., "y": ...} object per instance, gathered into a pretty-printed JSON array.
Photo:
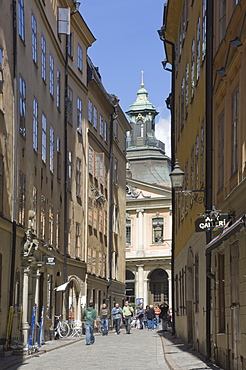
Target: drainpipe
[
  {"x": 209, "y": 159},
  {"x": 15, "y": 145},
  {"x": 171, "y": 106}
]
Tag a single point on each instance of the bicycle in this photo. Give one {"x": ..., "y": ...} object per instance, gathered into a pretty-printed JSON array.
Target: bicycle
[{"x": 61, "y": 328}]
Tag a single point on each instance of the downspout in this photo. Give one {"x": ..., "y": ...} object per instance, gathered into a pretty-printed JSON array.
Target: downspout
[
  {"x": 161, "y": 33},
  {"x": 65, "y": 178},
  {"x": 172, "y": 107},
  {"x": 15, "y": 165},
  {"x": 209, "y": 160}
]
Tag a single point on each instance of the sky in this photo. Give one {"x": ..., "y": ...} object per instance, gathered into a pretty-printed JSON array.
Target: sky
[{"x": 127, "y": 43}]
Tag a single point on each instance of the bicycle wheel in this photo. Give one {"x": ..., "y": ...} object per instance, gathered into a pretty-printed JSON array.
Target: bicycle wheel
[{"x": 63, "y": 330}]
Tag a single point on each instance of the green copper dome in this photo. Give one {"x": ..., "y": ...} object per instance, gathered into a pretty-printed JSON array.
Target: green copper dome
[{"x": 142, "y": 102}]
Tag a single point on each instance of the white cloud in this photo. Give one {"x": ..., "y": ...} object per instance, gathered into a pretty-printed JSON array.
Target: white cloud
[{"x": 163, "y": 132}]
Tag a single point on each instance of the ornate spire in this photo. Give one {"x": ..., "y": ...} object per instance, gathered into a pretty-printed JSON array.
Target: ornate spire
[{"x": 142, "y": 79}]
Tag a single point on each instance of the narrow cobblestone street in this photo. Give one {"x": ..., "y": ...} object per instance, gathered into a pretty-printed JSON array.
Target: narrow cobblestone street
[{"x": 139, "y": 350}]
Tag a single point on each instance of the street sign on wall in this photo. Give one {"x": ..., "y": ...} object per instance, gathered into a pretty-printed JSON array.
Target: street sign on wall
[
  {"x": 50, "y": 260},
  {"x": 206, "y": 223}
]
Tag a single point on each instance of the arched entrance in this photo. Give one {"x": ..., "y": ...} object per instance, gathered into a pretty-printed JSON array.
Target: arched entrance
[
  {"x": 158, "y": 287},
  {"x": 74, "y": 297},
  {"x": 130, "y": 286}
]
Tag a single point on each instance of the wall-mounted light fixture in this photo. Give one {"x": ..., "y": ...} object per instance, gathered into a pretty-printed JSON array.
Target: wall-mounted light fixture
[
  {"x": 236, "y": 42},
  {"x": 221, "y": 72},
  {"x": 177, "y": 180}
]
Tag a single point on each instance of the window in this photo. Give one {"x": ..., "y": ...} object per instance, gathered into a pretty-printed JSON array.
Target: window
[
  {"x": 99, "y": 165},
  {"x": 90, "y": 161},
  {"x": 77, "y": 240},
  {"x": 58, "y": 229},
  {"x": 70, "y": 45},
  {"x": 157, "y": 229},
  {"x": 196, "y": 283},
  {"x": 69, "y": 170},
  {"x": 234, "y": 131},
  {"x": 90, "y": 111},
  {"x": 100, "y": 220},
  {"x": 196, "y": 162},
  {"x": 42, "y": 217},
  {"x": 115, "y": 219},
  {"x": 202, "y": 158},
  {"x": 22, "y": 107},
  {"x": 192, "y": 68},
  {"x": 21, "y": 19},
  {"x": 115, "y": 173},
  {"x": 128, "y": 232},
  {"x": 105, "y": 223},
  {"x": 51, "y": 224},
  {"x": 58, "y": 89},
  {"x": 35, "y": 124},
  {"x": 221, "y": 288},
  {"x": 95, "y": 118},
  {"x": 222, "y": 19},
  {"x": 78, "y": 177},
  {"x": 43, "y": 138},
  {"x": 34, "y": 207},
  {"x": 105, "y": 136},
  {"x": 22, "y": 198},
  {"x": 1, "y": 183},
  {"x": 70, "y": 105},
  {"x": 116, "y": 129},
  {"x": 101, "y": 126},
  {"x": 221, "y": 151},
  {"x": 95, "y": 216},
  {"x": 186, "y": 89},
  {"x": 198, "y": 50},
  {"x": 52, "y": 148},
  {"x": 51, "y": 75},
  {"x": 80, "y": 58},
  {"x": 90, "y": 211},
  {"x": 182, "y": 103},
  {"x": 59, "y": 158},
  {"x": 204, "y": 21},
  {"x": 79, "y": 115},
  {"x": 139, "y": 129},
  {"x": 34, "y": 39},
  {"x": 43, "y": 58}
]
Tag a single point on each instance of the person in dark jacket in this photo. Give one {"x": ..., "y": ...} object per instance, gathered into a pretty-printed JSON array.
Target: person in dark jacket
[{"x": 151, "y": 317}]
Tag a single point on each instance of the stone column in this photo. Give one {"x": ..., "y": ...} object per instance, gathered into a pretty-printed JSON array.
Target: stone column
[
  {"x": 25, "y": 325},
  {"x": 140, "y": 290},
  {"x": 146, "y": 296},
  {"x": 140, "y": 228}
]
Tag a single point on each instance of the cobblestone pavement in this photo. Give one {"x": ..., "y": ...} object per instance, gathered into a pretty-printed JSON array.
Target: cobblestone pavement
[{"x": 142, "y": 349}]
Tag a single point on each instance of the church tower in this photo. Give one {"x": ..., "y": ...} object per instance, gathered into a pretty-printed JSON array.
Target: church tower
[{"x": 146, "y": 156}]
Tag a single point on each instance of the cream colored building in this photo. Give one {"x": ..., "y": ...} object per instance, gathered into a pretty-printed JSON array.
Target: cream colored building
[
  {"x": 48, "y": 178},
  {"x": 148, "y": 207}
]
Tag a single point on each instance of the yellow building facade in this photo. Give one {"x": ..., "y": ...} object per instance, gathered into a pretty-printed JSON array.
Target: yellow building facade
[{"x": 53, "y": 111}]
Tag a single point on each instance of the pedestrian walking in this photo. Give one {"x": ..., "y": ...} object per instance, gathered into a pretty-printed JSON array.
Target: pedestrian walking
[
  {"x": 127, "y": 315},
  {"x": 140, "y": 316},
  {"x": 164, "y": 315},
  {"x": 157, "y": 314},
  {"x": 117, "y": 314},
  {"x": 151, "y": 317},
  {"x": 104, "y": 316},
  {"x": 90, "y": 316}
]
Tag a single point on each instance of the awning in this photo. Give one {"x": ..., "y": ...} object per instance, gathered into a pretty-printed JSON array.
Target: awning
[
  {"x": 62, "y": 287},
  {"x": 226, "y": 234}
]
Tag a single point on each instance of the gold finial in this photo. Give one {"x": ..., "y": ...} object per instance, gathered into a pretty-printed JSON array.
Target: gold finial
[{"x": 142, "y": 79}]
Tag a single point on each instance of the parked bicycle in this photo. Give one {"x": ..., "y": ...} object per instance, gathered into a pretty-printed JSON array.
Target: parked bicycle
[{"x": 61, "y": 329}]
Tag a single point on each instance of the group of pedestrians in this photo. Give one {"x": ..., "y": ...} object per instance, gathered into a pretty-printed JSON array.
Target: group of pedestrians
[{"x": 149, "y": 317}]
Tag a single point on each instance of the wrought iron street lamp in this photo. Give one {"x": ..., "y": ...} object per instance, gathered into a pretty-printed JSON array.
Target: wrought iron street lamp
[{"x": 177, "y": 180}]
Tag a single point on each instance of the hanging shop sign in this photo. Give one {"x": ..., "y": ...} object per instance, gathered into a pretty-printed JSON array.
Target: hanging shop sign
[
  {"x": 50, "y": 260},
  {"x": 207, "y": 224}
]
